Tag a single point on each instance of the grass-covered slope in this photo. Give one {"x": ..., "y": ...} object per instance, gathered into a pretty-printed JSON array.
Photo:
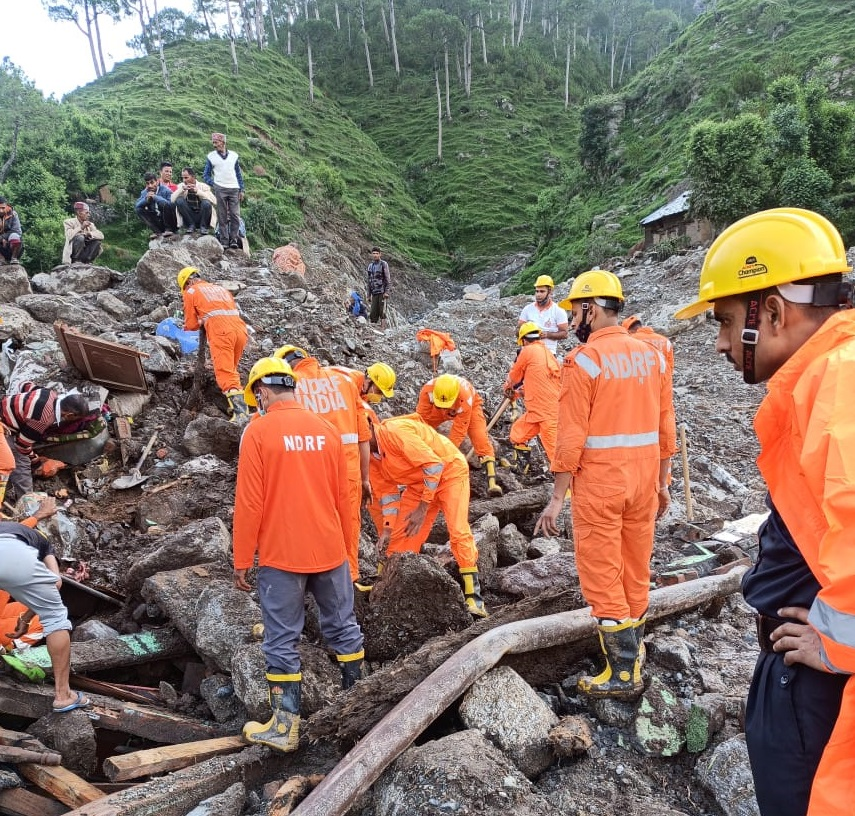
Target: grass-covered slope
[{"x": 298, "y": 156}]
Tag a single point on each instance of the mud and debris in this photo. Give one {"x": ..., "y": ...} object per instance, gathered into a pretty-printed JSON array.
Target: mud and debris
[{"x": 159, "y": 556}]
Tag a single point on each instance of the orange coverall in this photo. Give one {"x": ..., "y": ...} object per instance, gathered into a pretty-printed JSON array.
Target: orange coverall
[
  {"x": 212, "y": 307},
  {"x": 9, "y": 612},
  {"x": 292, "y": 505},
  {"x": 659, "y": 342},
  {"x": 429, "y": 468},
  {"x": 537, "y": 370},
  {"x": 615, "y": 424},
  {"x": 333, "y": 396},
  {"x": 467, "y": 419},
  {"x": 806, "y": 430}
]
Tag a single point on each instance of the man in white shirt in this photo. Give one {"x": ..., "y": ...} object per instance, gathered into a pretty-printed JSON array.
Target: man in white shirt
[
  {"x": 547, "y": 314},
  {"x": 223, "y": 173}
]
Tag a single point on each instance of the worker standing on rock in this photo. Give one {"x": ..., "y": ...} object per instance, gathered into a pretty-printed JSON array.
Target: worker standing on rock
[
  {"x": 449, "y": 397},
  {"x": 331, "y": 394},
  {"x": 538, "y": 373},
  {"x": 211, "y": 307},
  {"x": 775, "y": 283},
  {"x": 292, "y": 511},
  {"x": 408, "y": 455},
  {"x": 616, "y": 436},
  {"x": 546, "y": 313}
]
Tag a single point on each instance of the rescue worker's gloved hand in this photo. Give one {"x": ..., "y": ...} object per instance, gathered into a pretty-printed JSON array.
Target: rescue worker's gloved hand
[{"x": 49, "y": 467}]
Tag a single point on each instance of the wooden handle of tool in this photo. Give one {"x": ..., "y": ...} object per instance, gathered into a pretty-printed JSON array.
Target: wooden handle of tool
[
  {"x": 687, "y": 491},
  {"x": 146, "y": 451},
  {"x": 499, "y": 411}
]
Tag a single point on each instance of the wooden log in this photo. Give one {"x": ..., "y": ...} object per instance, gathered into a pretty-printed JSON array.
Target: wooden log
[
  {"x": 118, "y": 691},
  {"x": 291, "y": 793},
  {"x": 20, "y": 739},
  {"x": 9, "y": 753},
  {"x": 168, "y": 758},
  {"x": 20, "y": 802},
  {"x": 62, "y": 784},
  {"x": 126, "y": 650}
]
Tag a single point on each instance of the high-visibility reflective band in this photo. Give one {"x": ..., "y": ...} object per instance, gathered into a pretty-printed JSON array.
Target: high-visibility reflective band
[
  {"x": 349, "y": 439},
  {"x": 351, "y": 657},
  {"x": 587, "y": 365},
  {"x": 222, "y": 313},
  {"x": 432, "y": 470},
  {"x": 430, "y": 484},
  {"x": 388, "y": 499},
  {"x": 284, "y": 678},
  {"x": 390, "y": 511},
  {"x": 622, "y": 441},
  {"x": 835, "y": 625}
]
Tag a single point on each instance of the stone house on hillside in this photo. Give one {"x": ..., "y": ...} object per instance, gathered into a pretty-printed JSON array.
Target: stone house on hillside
[{"x": 672, "y": 220}]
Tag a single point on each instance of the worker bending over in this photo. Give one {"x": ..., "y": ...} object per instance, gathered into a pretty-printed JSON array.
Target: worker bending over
[
  {"x": 408, "y": 455},
  {"x": 211, "y": 308},
  {"x": 616, "y": 436},
  {"x": 449, "y": 397}
]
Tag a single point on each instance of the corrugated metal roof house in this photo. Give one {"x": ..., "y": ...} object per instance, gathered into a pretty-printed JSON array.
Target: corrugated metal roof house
[{"x": 672, "y": 220}]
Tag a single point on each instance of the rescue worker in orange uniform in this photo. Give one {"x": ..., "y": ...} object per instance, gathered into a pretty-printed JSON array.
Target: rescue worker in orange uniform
[
  {"x": 538, "y": 373},
  {"x": 616, "y": 436},
  {"x": 292, "y": 512},
  {"x": 449, "y": 397},
  {"x": 333, "y": 395},
  {"x": 211, "y": 307},
  {"x": 634, "y": 325},
  {"x": 408, "y": 455},
  {"x": 10, "y": 613},
  {"x": 775, "y": 283},
  {"x": 373, "y": 384}
]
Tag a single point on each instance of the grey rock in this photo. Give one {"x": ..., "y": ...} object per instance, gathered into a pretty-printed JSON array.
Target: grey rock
[
  {"x": 618, "y": 713},
  {"x": 159, "y": 359},
  {"x": 486, "y": 533},
  {"x": 660, "y": 721},
  {"x": 15, "y": 323},
  {"x": 113, "y": 306},
  {"x": 128, "y": 404},
  {"x": 78, "y": 279},
  {"x": 71, "y": 309},
  {"x": 212, "y": 435},
  {"x": 222, "y": 614},
  {"x": 14, "y": 282},
  {"x": 93, "y": 629},
  {"x": 228, "y": 803},
  {"x": 507, "y": 710},
  {"x": 511, "y": 547},
  {"x": 533, "y": 577},
  {"x": 541, "y": 547},
  {"x": 157, "y": 269},
  {"x": 199, "y": 542},
  {"x": 726, "y": 775},
  {"x": 72, "y": 735},
  {"x": 461, "y": 773},
  {"x": 670, "y": 652},
  {"x": 218, "y": 692},
  {"x": 704, "y": 720}
]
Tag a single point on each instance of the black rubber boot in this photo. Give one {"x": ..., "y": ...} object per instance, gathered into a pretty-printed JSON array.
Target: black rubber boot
[
  {"x": 282, "y": 730},
  {"x": 621, "y": 677},
  {"x": 351, "y": 668}
]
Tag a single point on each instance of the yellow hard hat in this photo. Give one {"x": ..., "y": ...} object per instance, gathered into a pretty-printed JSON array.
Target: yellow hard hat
[
  {"x": 768, "y": 248},
  {"x": 592, "y": 285},
  {"x": 184, "y": 275},
  {"x": 526, "y": 329},
  {"x": 544, "y": 280},
  {"x": 271, "y": 371},
  {"x": 383, "y": 376},
  {"x": 446, "y": 387},
  {"x": 291, "y": 353}
]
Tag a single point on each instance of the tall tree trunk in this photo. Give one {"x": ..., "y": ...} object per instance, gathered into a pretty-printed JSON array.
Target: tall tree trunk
[
  {"x": 164, "y": 71},
  {"x": 273, "y": 30},
  {"x": 98, "y": 40},
  {"x": 613, "y": 53},
  {"x": 337, "y": 18},
  {"x": 385, "y": 25},
  {"x": 7, "y": 165},
  {"x": 521, "y": 21},
  {"x": 365, "y": 42},
  {"x": 259, "y": 24},
  {"x": 90, "y": 36},
  {"x": 623, "y": 59},
  {"x": 203, "y": 10},
  {"x": 483, "y": 37},
  {"x": 438, "y": 112},
  {"x": 467, "y": 67},
  {"x": 512, "y": 19},
  {"x": 447, "y": 84},
  {"x": 232, "y": 38},
  {"x": 567, "y": 78},
  {"x": 394, "y": 37},
  {"x": 311, "y": 69},
  {"x": 247, "y": 21}
]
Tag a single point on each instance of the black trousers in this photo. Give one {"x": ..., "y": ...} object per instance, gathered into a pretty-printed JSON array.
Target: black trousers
[
  {"x": 84, "y": 250},
  {"x": 378, "y": 308},
  {"x": 789, "y": 716},
  {"x": 195, "y": 219}
]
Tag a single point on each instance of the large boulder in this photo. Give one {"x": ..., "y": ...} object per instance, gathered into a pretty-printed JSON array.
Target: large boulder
[
  {"x": 726, "y": 775},
  {"x": 71, "y": 309},
  {"x": 486, "y": 533},
  {"x": 157, "y": 269},
  {"x": 212, "y": 435},
  {"x": 530, "y": 578},
  {"x": 14, "y": 282},
  {"x": 72, "y": 735},
  {"x": 15, "y": 323},
  {"x": 72, "y": 279},
  {"x": 224, "y": 616}
]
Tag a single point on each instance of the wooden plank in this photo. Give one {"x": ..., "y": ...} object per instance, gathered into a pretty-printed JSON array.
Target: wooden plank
[
  {"x": 168, "y": 758},
  {"x": 20, "y": 802},
  {"x": 11, "y": 753},
  {"x": 292, "y": 792},
  {"x": 62, "y": 784}
]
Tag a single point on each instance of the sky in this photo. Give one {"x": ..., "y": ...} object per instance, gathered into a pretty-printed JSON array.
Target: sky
[{"x": 56, "y": 56}]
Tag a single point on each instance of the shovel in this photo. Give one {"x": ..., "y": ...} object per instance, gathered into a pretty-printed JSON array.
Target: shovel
[
  {"x": 135, "y": 478},
  {"x": 499, "y": 411}
]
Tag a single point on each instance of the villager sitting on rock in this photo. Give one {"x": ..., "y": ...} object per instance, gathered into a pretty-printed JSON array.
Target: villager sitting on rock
[
  {"x": 82, "y": 238},
  {"x": 155, "y": 208},
  {"x": 29, "y": 417},
  {"x": 195, "y": 202},
  {"x": 211, "y": 307},
  {"x": 11, "y": 241},
  {"x": 291, "y": 510},
  {"x": 166, "y": 176},
  {"x": 356, "y": 306},
  {"x": 29, "y": 572}
]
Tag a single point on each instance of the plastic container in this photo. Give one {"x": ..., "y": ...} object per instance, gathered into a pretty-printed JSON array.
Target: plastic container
[{"x": 188, "y": 341}]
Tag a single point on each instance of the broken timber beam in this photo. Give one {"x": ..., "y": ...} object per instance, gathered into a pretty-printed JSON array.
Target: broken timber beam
[
  {"x": 62, "y": 784},
  {"x": 20, "y": 802},
  {"x": 291, "y": 792},
  {"x": 168, "y": 758},
  {"x": 9, "y": 753},
  {"x": 126, "y": 650},
  {"x": 361, "y": 767}
]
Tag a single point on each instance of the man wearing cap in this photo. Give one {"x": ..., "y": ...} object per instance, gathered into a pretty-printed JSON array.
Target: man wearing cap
[
  {"x": 11, "y": 242},
  {"x": 82, "y": 237},
  {"x": 222, "y": 172},
  {"x": 775, "y": 283},
  {"x": 546, "y": 313}
]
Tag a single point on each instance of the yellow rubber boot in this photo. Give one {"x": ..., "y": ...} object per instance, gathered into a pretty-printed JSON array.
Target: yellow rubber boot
[
  {"x": 472, "y": 592},
  {"x": 282, "y": 731},
  {"x": 237, "y": 406},
  {"x": 489, "y": 463},
  {"x": 351, "y": 668},
  {"x": 621, "y": 678},
  {"x": 639, "y": 624}
]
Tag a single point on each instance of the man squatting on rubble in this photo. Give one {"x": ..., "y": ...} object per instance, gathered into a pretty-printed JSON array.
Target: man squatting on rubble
[
  {"x": 333, "y": 395},
  {"x": 28, "y": 417},
  {"x": 29, "y": 572},
  {"x": 211, "y": 307},
  {"x": 538, "y": 374},
  {"x": 292, "y": 510},
  {"x": 407, "y": 454},
  {"x": 11, "y": 240},
  {"x": 616, "y": 436},
  {"x": 449, "y": 397},
  {"x": 82, "y": 238},
  {"x": 775, "y": 283}
]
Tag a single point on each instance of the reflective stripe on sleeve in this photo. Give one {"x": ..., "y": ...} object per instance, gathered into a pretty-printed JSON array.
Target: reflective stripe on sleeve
[
  {"x": 622, "y": 441},
  {"x": 349, "y": 439},
  {"x": 587, "y": 365},
  {"x": 835, "y": 625}
]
